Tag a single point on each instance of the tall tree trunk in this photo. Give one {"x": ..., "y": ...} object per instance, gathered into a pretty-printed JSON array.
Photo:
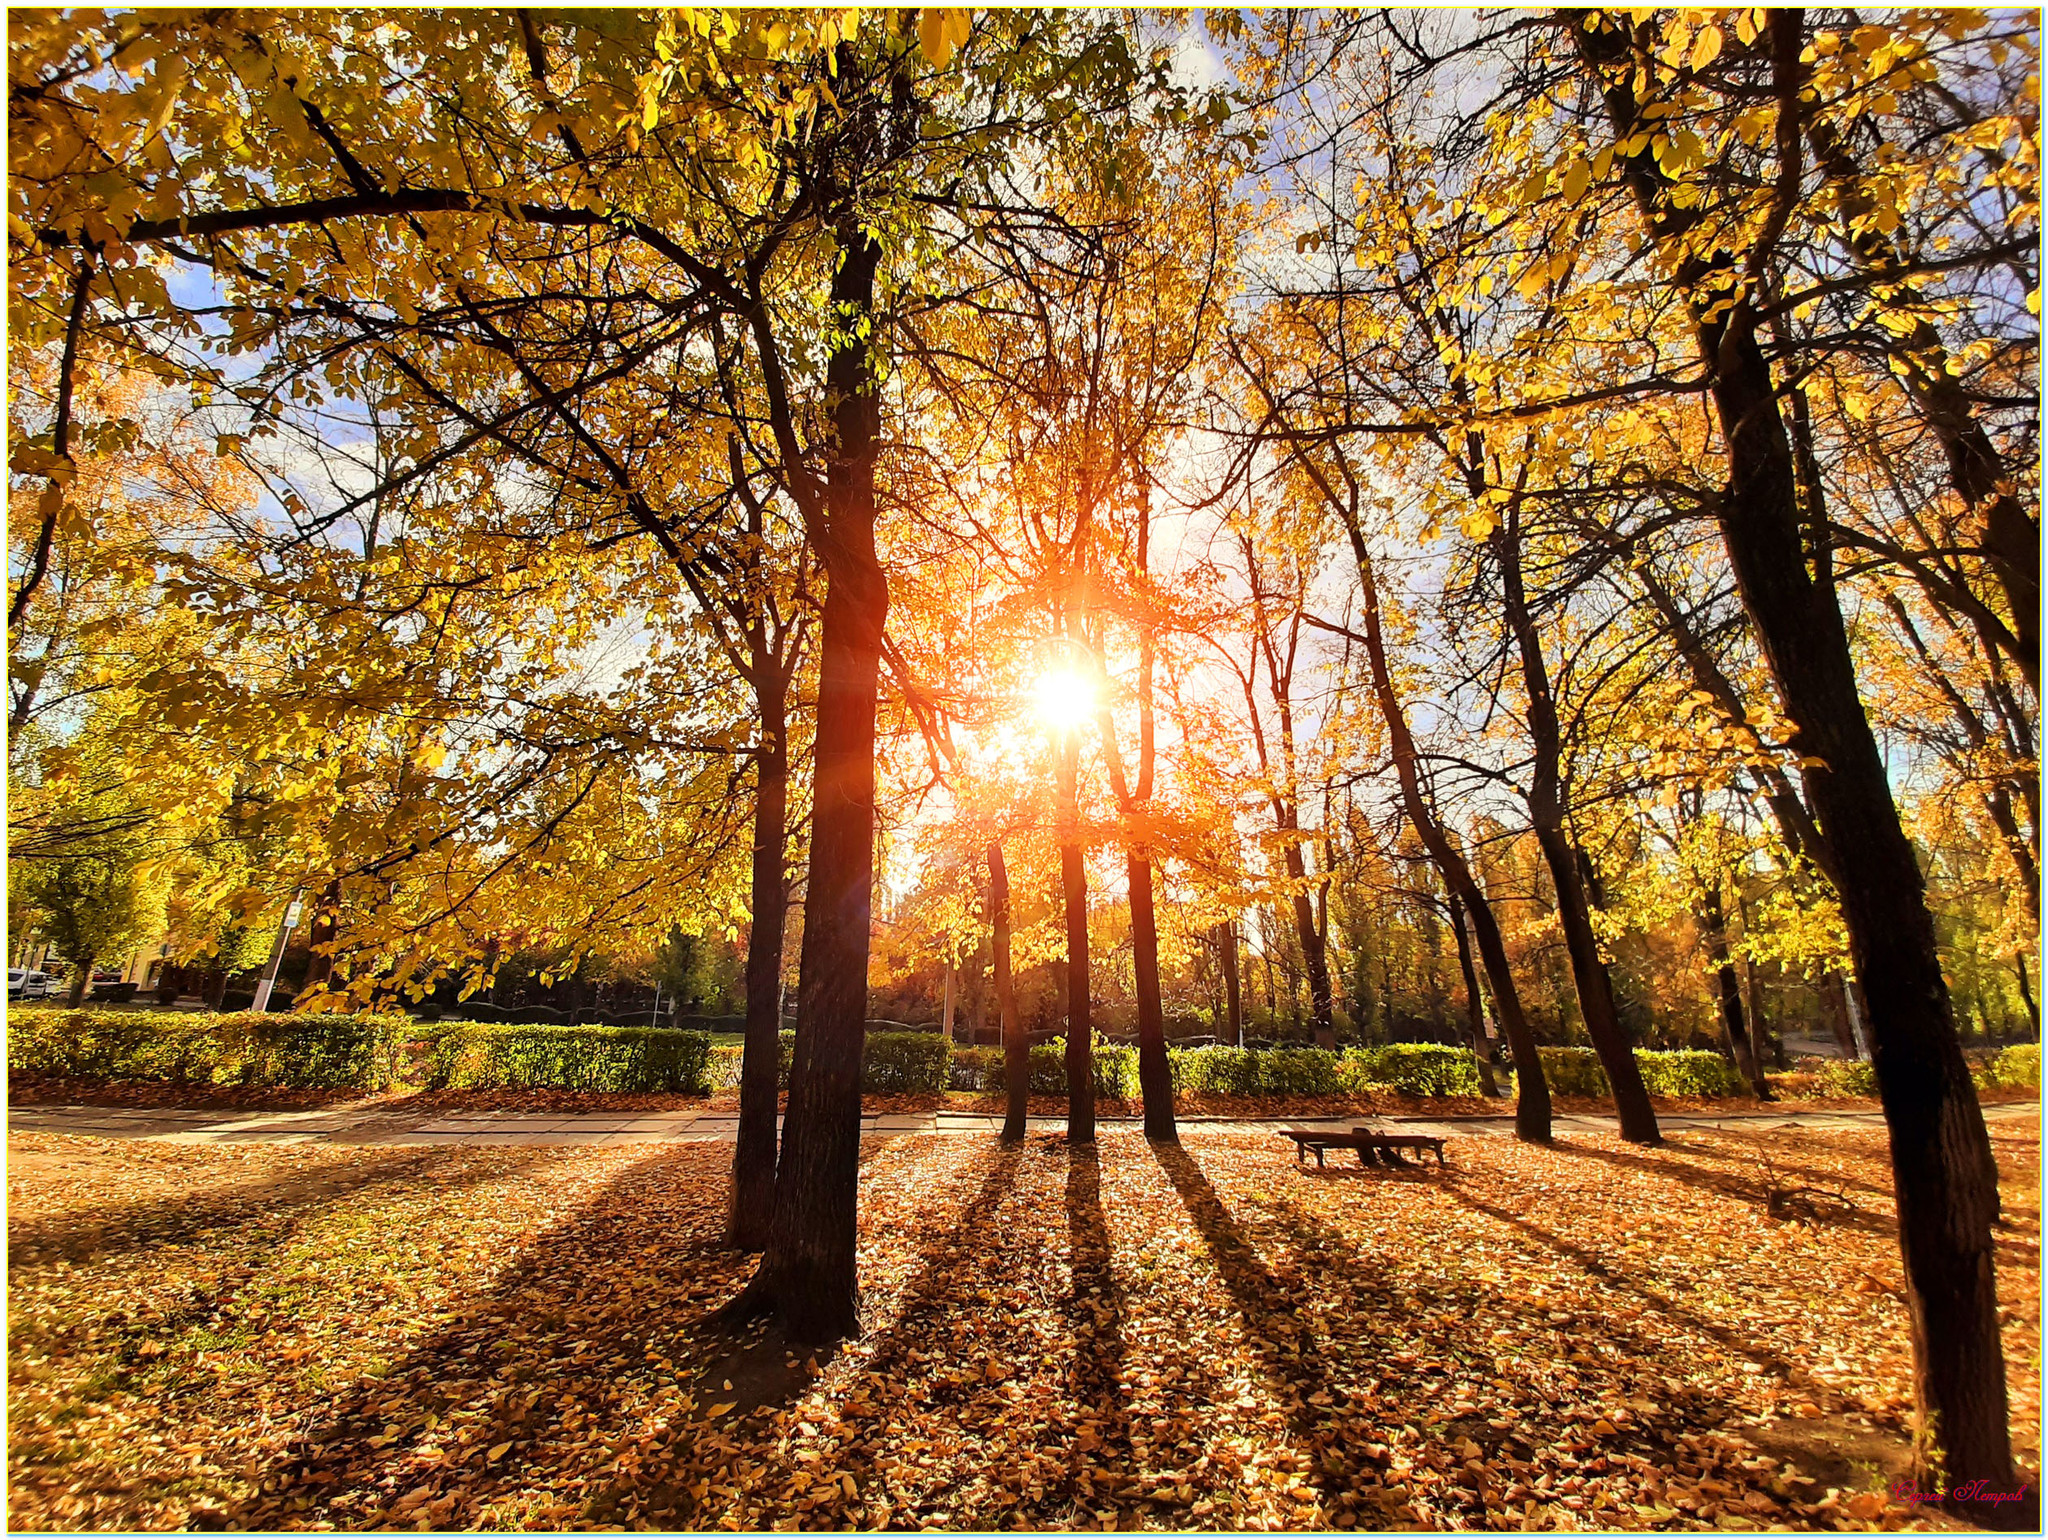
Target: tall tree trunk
[
  {"x": 320, "y": 934},
  {"x": 808, "y": 1269},
  {"x": 1016, "y": 1048},
  {"x": 2019, "y": 962},
  {"x": 1074, "y": 887},
  {"x": 1475, "y": 1013},
  {"x": 1945, "y": 1181},
  {"x": 1233, "y": 996},
  {"x": 1155, "y": 1074},
  {"x": 1595, "y": 986},
  {"x": 1728, "y": 988},
  {"x": 753, "y": 1160},
  {"x": 1315, "y": 956},
  {"x": 1532, "y": 1094},
  {"x": 81, "y": 981}
]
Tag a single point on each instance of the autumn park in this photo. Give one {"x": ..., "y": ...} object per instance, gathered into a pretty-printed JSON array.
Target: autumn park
[{"x": 1023, "y": 770}]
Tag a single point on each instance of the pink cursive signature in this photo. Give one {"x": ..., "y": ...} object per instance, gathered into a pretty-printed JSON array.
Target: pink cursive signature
[{"x": 1969, "y": 1492}]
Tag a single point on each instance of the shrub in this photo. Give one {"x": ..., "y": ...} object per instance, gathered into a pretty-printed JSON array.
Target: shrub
[
  {"x": 1690, "y": 1072},
  {"x": 904, "y": 1061},
  {"x": 2017, "y": 1068},
  {"x": 478, "y": 1055},
  {"x": 1846, "y": 1077},
  {"x": 727, "y": 1058},
  {"x": 1573, "y": 1072},
  {"x": 1116, "y": 1070},
  {"x": 975, "y": 1069},
  {"x": 1666, "y": 1072},
  {"x": 360, "y": 1052},
  {"x": 1420, "y": 1069},
  {"x": 1225, "y": 1071}
]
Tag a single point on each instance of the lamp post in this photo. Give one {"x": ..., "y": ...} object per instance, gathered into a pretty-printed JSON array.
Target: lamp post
[{"x": 284, "y": 934}]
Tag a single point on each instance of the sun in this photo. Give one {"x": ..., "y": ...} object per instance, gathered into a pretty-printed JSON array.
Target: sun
[{"x": 1064, "y": 699}]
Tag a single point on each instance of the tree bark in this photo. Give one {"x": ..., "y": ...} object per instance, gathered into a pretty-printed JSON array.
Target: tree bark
[
  {"x": 81, "y": 981},
  {"x": 1074, "y": 887},
  {"x": 1590, "y": 976},
  {"x": 1016, "y": 1048},
  {"x": 1728, "y": 988},
  {"x": 1155, "y": 1073},
  {"x": 1475, "y": 1013},
  {"x": 749, "y": 1217},
  {"x": 1945, "y": 1181},
  {"x": 1233, "y": 994},
  {"x": 808, "y": 1269},
  {"x": 1532, "y": 1093},
  {"x": 2019, "y": 962}
]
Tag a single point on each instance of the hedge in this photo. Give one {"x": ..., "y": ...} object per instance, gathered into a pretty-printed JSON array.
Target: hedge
[
  {"x": 357, "y": 1052},
  {"x": 727, "y": 1059},
  {"x": 1666, "y": 1072},
  {"x": 1420, "y": 1069},
  {"x": 479, "y": 1055},
  {"x": 904, "y": 1061}
]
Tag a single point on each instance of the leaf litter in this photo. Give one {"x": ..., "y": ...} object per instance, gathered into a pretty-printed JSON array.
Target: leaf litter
[{"x": 1591, "y": 1336}]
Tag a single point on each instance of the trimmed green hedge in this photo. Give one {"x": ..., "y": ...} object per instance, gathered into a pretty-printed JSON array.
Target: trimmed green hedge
[
  {"x": 1666, "y": 1072},
  {"x": 479, "y": 1055},
  {"x": 904, "y": 1061},
  {"x": 360, "y": 1052},
  {"x": 1420, "y": 1069},
  {"x": 727, "y": 1058}
]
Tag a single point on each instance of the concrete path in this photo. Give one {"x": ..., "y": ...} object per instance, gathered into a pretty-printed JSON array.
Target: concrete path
[{"x": 371, "y": 1125}]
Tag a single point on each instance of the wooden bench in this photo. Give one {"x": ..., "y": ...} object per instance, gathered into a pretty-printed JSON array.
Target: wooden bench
[{"x": 1371, "y": 1145}]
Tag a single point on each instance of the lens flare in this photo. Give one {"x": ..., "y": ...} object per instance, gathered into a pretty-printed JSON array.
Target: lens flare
[{"x": 1064, "y": 699}]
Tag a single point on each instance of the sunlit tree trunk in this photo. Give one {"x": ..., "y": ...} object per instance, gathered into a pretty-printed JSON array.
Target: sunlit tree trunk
[
  {"x": 1016, "y": 1046},
  {"x": 808, "y": 1269},
  {"x": 1080, "y": 1058},
  {"x": 753, "y": 1161}
]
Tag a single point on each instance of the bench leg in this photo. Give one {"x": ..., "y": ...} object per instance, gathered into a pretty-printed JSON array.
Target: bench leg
[{"x": 1319, "y": 1157}]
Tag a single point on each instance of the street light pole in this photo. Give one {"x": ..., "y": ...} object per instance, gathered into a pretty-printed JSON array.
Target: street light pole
[{"x": 284, "y": 933}]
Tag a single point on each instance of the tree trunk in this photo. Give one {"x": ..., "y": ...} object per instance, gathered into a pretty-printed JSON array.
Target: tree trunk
[
  {"x": 81, "y": 981},
  {"x": 1074, "y": 886},
  {"x": 1945, "y": 1181},
  {"x": 1155, "y": 1074},
  {"x": 1475, "y": 1014},
  {"x": 808, "y": 1269},
  {"x": 1729, "y": 991},
  {"x": 2019, "y": 962},
  {"x": 1233, "y": 996},
  {"x": 1590, "y": 977},
  {"x": 1315, "y": 956},
  {"x": 1532, "y": 1093},
  {"x": 1016, "y": 1048},
  {"x": 320, "y": 933},
  {"x": 753, "y": 1161}
]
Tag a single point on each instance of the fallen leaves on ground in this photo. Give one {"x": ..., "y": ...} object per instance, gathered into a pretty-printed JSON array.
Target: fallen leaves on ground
[{"x": 1592, "y": 1336}]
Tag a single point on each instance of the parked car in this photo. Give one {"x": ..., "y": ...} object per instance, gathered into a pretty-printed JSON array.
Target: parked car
[{"x": 28, "y": 984}]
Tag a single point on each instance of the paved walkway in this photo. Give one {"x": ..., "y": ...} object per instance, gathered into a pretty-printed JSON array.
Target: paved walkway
[{"x": 372, "y": 1125}]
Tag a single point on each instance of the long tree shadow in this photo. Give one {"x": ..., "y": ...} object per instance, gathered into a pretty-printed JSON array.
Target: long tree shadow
[
  {"x": 175, "y": 1218},
  {"x": 1751, "y": 1191},
  {"x": 578, "y": 1370},
  {"x": 592, "y": 1384},
  {"x": 1101, "y": 1455},
  {"x": 1590, "y": 1263},
  {"x": 1296, "y": 1362}
]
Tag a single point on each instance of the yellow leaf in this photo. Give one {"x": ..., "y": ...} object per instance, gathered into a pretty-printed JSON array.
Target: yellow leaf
[
  {"x": 722, "y": 1408},
  {"x": 1706, "y": 47},
  {"x": 497, "y": 1451}
]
